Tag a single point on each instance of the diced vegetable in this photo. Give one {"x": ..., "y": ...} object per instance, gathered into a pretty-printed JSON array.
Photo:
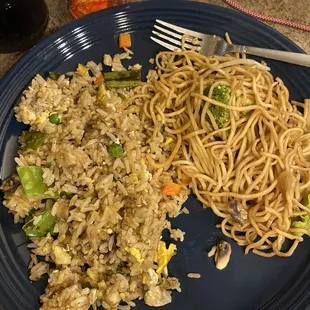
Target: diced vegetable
[
  {"x": 221, "y": 115},
  {"x": 171, "y": 189},
  {"x": 82, "y": 70},
  {"x": 130, "y": 75},
  {"x": 185, "y": 179},
  {"x": 61, "y": 256},
  {"x": 220, "y": 93},
  {"x": 123, "y": 79},
  {"x": 116, "y": 150},
  {"x": 32, "y": 181},
  {"x": 101, "y": 94},
  {"x": 30, "y": 215},
  {"x": 122, "y": 84},
  {"x": 164, "y": 255},
  {"x": 98, "y": 78},
  {"x": 54, "y": 75},
  {"x": 34, "y": 139},
  {"x": 122, "y": 96},
  {"x": 54, "y": 118},
  {"x": 41, "y": 223},
  {"x": 65, "y": 195},
  {"x": 135, "y": 252},
  {"x": 168, "y": 141},
  {"x": 124, "y": 40},
  {"x": 302, "y": 221}
]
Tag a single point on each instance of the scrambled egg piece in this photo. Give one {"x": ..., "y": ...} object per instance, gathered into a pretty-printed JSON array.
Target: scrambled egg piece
[
  {"x": 42, "y": 118},
  {"x": 134, "y": 178},
  {"x": 164, "y": 255},
  {"x": 103, "y": 95},
  {"x": 61, "y": 257},
  {"x": 93, "y": 275},
  {"x": 168, "y": 141},
  {"x": 81, "y": 69},
  {"x": 136, "y": 253},
  {"x": 109, "y": 231},
  {"x": 28, "y": 114}
]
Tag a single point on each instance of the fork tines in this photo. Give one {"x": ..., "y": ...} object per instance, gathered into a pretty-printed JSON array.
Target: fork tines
[{"x": 170, "y": 36}]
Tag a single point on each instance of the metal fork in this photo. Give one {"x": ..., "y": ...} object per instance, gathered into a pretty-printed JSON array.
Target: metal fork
[{"x": 170, "y": 36}]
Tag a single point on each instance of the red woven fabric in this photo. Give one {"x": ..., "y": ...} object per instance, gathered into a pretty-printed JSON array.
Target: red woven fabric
[{"x": 266, "y": 18}]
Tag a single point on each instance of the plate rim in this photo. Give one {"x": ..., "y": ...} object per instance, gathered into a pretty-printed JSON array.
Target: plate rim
[{"x": 282, "y": 298}]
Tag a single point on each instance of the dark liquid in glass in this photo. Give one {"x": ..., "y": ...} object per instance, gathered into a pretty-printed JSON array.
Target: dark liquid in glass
[{"x": 22, "y": 24}]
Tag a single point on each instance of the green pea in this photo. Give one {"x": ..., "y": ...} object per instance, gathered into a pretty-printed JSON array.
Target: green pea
[
  {"x": 54, "y": 118},
  {"x": 116, "y": 150}
]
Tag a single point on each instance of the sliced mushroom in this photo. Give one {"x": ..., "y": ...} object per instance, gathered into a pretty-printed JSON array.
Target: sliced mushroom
[
  {"x": 287, "y": 184},
  {"x": 237, "y": 212},
  {"x": 157, "y": 297},
  {"x": 62, "y": 209},
  {"x": 222, "y": 255}
]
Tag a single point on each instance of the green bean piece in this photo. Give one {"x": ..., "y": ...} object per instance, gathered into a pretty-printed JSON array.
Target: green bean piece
[
  {"x": 30, "y": 215},
  {"x": 34, "y": 139},
  {"x": 131, "y": 75},
  {"x": 122, "y": 84},
  {"x": 45, "y": 224},
  {"x": 31, "y": 178}
]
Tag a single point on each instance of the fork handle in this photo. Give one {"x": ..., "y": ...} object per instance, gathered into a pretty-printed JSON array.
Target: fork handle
[{"x": 293, "y": 58}]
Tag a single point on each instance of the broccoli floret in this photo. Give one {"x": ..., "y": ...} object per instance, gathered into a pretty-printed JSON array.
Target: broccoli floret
[{"x": 220, "y": 93}]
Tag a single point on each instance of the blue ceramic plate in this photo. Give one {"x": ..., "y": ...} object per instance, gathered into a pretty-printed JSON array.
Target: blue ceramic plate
[{"x": 249, "y": 282}]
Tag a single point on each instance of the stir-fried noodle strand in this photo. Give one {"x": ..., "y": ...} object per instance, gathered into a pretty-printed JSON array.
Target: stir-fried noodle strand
[{"x": 253, "y": 171}]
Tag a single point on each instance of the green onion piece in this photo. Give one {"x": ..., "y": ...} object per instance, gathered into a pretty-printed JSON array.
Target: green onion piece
[
  {"x": 116, "y": 150},
  {"x": 31, "y": 178},
  {"x": 54, "y": 118},
  {"x": 34, "y": 139}
]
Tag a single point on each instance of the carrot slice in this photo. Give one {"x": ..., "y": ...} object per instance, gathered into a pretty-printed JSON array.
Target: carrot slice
[
  {"x": 124, "y": 40},
  {"x": 171, "y": 189},
  {"x": 98, "y": 78}
]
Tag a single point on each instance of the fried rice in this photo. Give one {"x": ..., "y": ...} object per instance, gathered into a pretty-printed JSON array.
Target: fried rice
[{"x": 104, "y": 249}]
